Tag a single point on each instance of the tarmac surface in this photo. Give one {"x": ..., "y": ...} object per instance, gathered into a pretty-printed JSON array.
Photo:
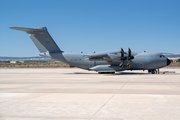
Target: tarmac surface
[{"x": 75, "y": 94}]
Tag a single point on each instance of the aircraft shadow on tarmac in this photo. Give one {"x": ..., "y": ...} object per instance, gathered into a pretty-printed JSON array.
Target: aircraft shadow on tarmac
[
  {"x": 129, "y": 73},
  {"x": 81, "y": 73},
  {"x": 117, "y": 73}
]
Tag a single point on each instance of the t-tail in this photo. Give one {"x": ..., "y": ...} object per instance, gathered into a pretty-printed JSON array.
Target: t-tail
[{"x": 42, "y": 39}]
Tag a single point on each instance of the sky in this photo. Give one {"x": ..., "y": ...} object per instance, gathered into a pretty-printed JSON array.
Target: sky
[{"x": 92, "y": 25}]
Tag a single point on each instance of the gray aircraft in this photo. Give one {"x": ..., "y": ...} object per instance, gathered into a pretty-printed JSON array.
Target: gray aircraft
[{"x": 107, "y": 62}]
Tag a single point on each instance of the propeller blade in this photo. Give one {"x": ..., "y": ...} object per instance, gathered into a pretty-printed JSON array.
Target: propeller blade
[
  {"x": 122, "y": 53},
  {"x": 129, "y": 58},
  {"x": 122, "y": 58},
  {"x": 121, "y": 64},
  {"x": 129, "y": 53}
]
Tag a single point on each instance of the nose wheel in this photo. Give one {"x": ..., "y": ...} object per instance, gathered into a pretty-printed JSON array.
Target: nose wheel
[
  {"x": 154, "y": 71},
  {"x": 151, "y": 71}
]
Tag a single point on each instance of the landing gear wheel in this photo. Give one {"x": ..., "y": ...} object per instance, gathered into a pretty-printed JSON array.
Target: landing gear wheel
[{"x": 152, "y": 71}]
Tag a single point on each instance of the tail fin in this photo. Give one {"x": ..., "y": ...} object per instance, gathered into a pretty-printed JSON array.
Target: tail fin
[{"x": 41, "y": 39}]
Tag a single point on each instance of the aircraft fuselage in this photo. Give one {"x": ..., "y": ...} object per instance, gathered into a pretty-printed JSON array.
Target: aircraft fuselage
[{"x": 141, "y": 61}]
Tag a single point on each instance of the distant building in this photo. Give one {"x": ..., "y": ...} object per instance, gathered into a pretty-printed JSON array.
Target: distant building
[
  {"x": 21, "y": 61},
  {"x": 14, "y": 61},
  {"x": 4, "y": 61},
  {"x": 175, "y": 61}
]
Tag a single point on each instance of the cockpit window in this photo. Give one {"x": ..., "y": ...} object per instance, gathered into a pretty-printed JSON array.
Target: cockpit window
[{"x": 162, "y": 56}]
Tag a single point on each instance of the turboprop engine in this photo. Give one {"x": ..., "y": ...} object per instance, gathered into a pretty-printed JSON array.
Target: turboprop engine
[{"x": 119, "y": 57}]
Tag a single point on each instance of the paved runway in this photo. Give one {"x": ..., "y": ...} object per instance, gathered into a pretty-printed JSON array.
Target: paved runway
[{"x": 75, "y": 94}]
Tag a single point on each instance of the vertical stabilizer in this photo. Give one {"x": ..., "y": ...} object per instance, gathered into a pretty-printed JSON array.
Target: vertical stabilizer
[{"x": 41, "y": 38}]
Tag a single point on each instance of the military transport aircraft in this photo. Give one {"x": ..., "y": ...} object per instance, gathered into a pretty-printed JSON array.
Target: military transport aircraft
[{"x": 108, "y": 62}]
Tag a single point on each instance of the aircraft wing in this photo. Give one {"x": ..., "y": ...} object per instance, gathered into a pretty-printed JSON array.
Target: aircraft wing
[
  {"x": 96, "y": 55},
  {"x": 105, "y": 54}
]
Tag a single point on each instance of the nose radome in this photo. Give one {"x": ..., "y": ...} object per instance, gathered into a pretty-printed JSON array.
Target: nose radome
[{"x": 168, "y": 62}]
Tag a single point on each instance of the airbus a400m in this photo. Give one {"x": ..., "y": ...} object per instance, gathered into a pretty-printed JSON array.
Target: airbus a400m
[{"x": 107, "y": 62}]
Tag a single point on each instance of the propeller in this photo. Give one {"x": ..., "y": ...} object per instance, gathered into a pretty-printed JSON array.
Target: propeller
[
  {"x": 122, "y": 58},
  {"x": 130, "y": 57}
]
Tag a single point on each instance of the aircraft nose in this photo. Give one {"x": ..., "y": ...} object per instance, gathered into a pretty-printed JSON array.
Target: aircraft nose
[{"x": 168, "y": 62}]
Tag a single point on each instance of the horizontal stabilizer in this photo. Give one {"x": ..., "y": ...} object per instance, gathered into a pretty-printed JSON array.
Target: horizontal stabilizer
[{"x": 29, "y": 30}]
